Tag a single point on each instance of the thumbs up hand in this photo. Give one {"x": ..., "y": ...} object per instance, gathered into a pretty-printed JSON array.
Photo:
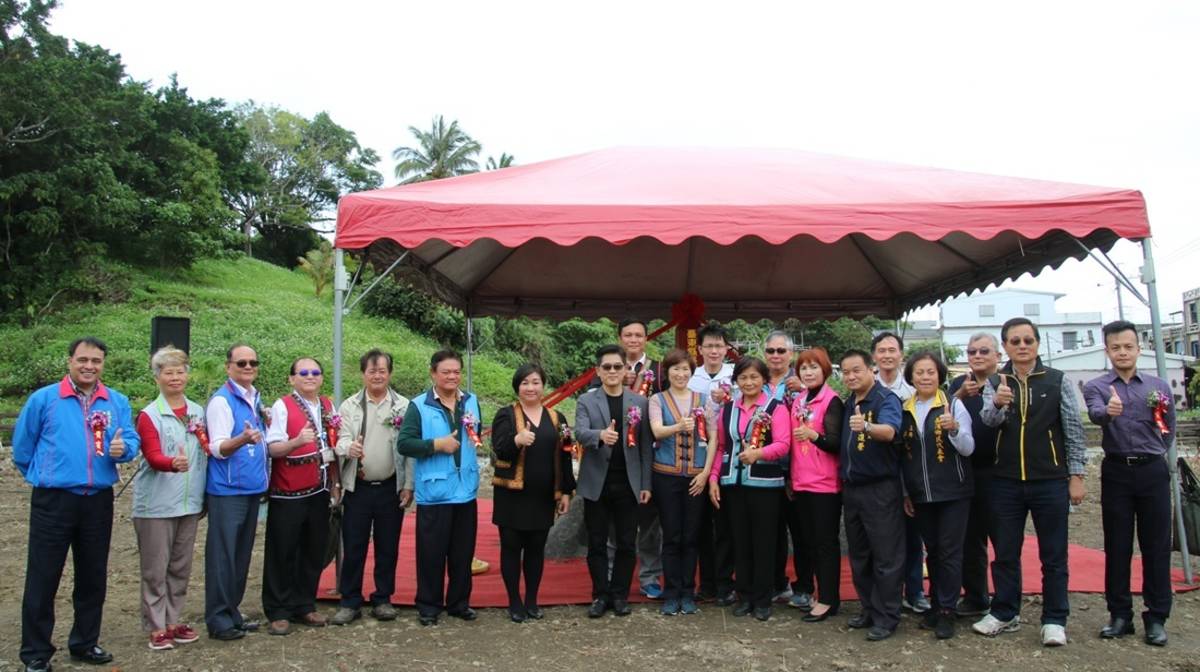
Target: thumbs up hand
[
  {"x": 857, "y": 421},
  {"x": 250, "y": 435},
  {"x": 1115, "y": 405},
  {"x": 356, "y": 448},
  {"x": 609, "y": 436},
  {"x": 1004, "y": 393},
  {"x": 116, "y": 447},
  {"x": 306, "y": 435},
  {"x": 180, "y": 462}
]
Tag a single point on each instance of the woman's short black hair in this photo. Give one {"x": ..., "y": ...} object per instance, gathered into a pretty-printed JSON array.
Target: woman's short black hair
[
  {"x": 523, "y": 372},
  {"x": 931, "y": 356},
  {"x": 751, "y": 363}
]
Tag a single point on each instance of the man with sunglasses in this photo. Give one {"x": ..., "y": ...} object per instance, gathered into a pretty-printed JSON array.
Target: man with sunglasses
[
  {"x": 302, "y": 483},
  {"x": 236, "y": 480},
  {"x": 1039, "y": 467},
  {"x": 983, "y": 358}
]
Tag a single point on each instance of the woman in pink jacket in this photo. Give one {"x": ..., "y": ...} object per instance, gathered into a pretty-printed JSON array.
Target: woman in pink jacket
[{"x": 815, "y": 490}]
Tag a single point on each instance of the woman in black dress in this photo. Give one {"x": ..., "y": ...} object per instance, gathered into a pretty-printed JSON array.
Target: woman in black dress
[{"x": 533, "y": 483}]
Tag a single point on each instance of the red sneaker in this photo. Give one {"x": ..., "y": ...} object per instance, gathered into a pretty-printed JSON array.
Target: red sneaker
[
  {"x": 161, "y": 641},
  {"x": 184, "y": 634}
]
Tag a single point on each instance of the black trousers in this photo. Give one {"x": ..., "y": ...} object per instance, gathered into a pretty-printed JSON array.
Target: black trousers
[
  {"x": 616, "y": 506},
  {"x": 875, "y": 538},
  {"x": 791, "y": 528},
  {"x": 754, "y": 517},
  {"x": 522, "y": 550},
  {"x": 819, "y": 515},
  {"x": 61, "y": 520},
  {"x": 294, "y": 555},
  {"x": 445, "y": 546},
  {"x": 975, "y": 545},
  {"x": 1138, "y": 494},
  {"x": 680, "y": 514},
  {"x": 714, "y": 550},
  {"x": 370, "y": 508},
  {"x": 943, "y": 527}
]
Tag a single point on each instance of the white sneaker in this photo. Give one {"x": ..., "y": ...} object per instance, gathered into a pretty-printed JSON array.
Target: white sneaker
[
  {"x": 991, "y": 626},
  {"x": 1054, "y": 635}
]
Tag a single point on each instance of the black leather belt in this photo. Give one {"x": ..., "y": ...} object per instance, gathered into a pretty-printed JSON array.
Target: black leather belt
[
  {"x": 390, "y": 480},
  {"x": 1133, "y": 460}
]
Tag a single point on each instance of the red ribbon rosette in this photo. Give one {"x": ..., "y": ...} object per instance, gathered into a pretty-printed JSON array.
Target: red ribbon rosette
[
  {"x": 567, "y": 439},
  {"x": 98, "y": 422},
  {"x": 647, "y": 382},
  {"x": 196, "y": 427},
  {"x": 468, "y": 422},
  {"x": 333, "y": 422},
  {"x": 760, "y": 425},
  {"x": 701, "y": 424},
  {"x": 632, "y": 419},
  {"x": 1158, "y": 402}
]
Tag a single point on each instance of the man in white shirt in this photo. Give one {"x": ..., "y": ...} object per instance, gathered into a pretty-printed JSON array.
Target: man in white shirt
[{"x": 888, "y": 351}]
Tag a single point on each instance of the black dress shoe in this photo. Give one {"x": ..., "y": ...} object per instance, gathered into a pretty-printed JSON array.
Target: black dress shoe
[
  {"x": 1156, "y": 634},
  {"x": 878, "y": 633},
  {"x": 621, "y": 608},
  {"x": 599, "y": 606},
  {"x": 929, "y": 620},
  {"x": 812, "y": 618},
  {"x": 535, "y": 613},
  {"x": 39, "y": 666},
  {"x": 517, "y": 616},
  {"x": 92, "y": 656},
  {"x": 859, "y": 622},
  {"x": 227, "y": 635},
  {"x": 762, "y": 613},
  {"x": 742, "y": 609},
  {"x": 726, "y": 600},
  {"x": 427, "y": 620},
  {"x": 1117, "y": 627},
  {"x": 249, "y": 625},
  {"x": 467, "y": 614}
]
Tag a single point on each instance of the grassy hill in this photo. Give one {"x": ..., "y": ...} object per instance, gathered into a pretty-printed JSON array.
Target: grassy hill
[{"x": 269, "y": 307}]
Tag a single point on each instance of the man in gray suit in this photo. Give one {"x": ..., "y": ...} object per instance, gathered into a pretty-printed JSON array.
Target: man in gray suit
[{"x": 614, "y": 477}]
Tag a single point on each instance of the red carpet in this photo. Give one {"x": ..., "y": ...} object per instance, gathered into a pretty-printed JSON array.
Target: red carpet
[{"x": 567, "y": 581}]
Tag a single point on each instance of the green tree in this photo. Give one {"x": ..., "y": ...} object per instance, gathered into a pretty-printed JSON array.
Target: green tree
[
  {"x": 317, "y": 264},
  {"x": 949, "y": 352},
  {"x": 442, "y": 151},
  {"x": 505, "y": 161},
  {"x": 307, "y": 164}
]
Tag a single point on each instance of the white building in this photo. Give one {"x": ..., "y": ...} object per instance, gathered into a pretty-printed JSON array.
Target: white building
[
  {"x": 1085, "y": 364},
  {"x": 963, "y": 317}
]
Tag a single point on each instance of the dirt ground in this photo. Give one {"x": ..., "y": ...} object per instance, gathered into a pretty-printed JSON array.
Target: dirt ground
[{"x": 566, "y": 639}]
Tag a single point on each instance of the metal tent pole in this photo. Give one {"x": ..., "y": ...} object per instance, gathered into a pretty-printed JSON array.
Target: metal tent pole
[
  {"x": 470, "y": 347},
  {"x": 339, "y": 300},
  {"x": 1160, "y": 359}
]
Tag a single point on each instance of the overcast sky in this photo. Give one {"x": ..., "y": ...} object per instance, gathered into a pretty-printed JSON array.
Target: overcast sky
[{"x": 1087, "y": 92}]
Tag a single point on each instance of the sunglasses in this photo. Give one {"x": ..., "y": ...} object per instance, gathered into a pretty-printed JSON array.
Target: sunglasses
[
  {"x": 612, "y": 367},
  {"x": 775, "y": 351},
  {"x": 305, "y": 373},
  {"x": 1017, "y": 341},
  {"x": 246, "y": 363},
  {"x": 971, "y": 352}
]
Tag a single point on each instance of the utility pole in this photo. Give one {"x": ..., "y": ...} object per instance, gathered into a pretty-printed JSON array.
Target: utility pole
[{"x": 1120, "y": 302}]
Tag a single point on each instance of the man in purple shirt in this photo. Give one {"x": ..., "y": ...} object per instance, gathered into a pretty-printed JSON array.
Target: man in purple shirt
[{"x": 1134, "y": 482}]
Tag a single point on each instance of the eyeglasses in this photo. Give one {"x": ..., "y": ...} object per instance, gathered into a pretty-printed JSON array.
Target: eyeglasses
[
  {"x": 305, "y": 373},
  {"x": 971, "y": 352},
  {"x": 246, "y": 363},
  {"x": 612, "y": 367},
  {"x": 1016, "y": 340},
  {"x": 775, "y": 351}
]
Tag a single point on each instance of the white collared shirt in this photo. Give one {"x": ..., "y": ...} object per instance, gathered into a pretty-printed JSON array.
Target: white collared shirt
[
  {"x": 704, "y": 382},
  {"x": 898, "y": 387},
  {"x": 219, "y": 417}
]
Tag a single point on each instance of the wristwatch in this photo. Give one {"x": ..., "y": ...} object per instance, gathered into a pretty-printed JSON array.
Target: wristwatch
[{"x": 867, "y": 428}]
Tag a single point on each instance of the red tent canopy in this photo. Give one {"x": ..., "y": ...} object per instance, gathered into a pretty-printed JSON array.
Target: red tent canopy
[{"x": 755, "y": 233}]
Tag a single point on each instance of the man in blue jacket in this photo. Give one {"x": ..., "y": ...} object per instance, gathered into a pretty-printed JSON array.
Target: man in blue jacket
[{"x": 67, "y": 442}]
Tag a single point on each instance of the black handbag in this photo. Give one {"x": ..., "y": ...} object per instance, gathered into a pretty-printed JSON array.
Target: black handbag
[{"x": 1189, "y": 491}]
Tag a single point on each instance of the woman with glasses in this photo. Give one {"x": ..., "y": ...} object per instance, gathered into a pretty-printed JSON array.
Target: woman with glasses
[
  {"x": 533, "y": 483},
  {"x": 299, "y": 497},
  {"x": 168, "y": 495},
  {"x": 754, "y": 434},
  {"x": 816, "y": 492},
  {"x": 936, "y": 441}
]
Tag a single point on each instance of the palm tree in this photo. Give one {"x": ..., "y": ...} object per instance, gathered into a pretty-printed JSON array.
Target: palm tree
[
  {"x": 318, "y": 265},
  {"x": 442, "y": 151},
  {"x": 505, "y": 161}
]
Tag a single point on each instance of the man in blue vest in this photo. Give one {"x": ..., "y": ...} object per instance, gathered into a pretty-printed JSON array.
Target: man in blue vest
[
  {"x": 439, "y": 431},
  {"x": 237, "y": 478},
  {"x": 69, "y": 437}
]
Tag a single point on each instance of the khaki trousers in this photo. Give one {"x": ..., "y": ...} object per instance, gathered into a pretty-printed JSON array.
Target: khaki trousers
[{"x": 165, "y": 546}]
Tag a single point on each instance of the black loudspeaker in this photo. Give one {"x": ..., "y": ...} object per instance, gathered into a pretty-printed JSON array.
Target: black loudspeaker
[{"x": 174, "y": 331}]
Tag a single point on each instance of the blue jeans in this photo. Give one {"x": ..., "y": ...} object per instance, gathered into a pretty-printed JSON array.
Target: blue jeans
[{"x": 1047, "y": 501}]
